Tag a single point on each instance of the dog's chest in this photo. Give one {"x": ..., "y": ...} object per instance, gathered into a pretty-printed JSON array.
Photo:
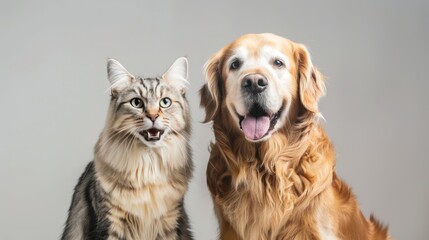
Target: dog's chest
[
  {"x": 260, "y": 212},
  {"x": 254, "y": 214}
]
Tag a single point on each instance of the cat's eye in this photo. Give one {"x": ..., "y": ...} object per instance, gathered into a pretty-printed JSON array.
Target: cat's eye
[
  {"x": 137, "y": 103},
  {"x": 165, "y": 102}
]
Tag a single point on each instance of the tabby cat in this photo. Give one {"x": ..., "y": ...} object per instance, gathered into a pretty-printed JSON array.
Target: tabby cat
[{"x": 135, "y": 186}]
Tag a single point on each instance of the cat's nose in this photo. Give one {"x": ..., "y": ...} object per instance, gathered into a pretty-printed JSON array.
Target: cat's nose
[{"x": 152, "y": 115}]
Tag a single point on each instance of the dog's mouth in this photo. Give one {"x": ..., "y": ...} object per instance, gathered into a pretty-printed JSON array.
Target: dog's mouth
[
  {"x": 258, "y": 123},
  {"x": 152, "y": 134}
]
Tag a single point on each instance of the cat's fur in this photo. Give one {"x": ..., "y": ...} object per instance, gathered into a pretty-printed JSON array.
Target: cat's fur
[{"x": 134, "y": 188}]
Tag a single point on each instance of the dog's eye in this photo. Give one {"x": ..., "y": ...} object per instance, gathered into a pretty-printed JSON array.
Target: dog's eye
[
  {"x": 235, "y": 64},
  {"x": 136, "y": 102},
  {"x": 278, "y": 63}
]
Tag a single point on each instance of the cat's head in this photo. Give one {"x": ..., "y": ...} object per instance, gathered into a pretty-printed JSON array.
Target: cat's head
[{"x": 148, "y": 109}]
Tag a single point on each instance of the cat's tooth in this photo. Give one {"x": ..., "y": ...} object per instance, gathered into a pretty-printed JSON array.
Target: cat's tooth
[{"x": 157, "y": 134}]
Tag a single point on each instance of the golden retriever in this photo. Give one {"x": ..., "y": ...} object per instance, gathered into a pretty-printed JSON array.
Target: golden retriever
[{"x": 271, "y": 171}]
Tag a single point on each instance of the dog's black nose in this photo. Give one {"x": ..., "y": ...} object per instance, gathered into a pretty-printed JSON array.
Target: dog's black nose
[{"x": 254, "y": 83}]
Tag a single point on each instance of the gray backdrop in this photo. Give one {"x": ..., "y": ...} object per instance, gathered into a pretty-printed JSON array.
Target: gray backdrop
[{"x": 53, "y": 96}]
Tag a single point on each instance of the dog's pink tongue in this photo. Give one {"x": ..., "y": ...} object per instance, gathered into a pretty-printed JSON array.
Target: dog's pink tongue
[{"x": 255, "y": 128}]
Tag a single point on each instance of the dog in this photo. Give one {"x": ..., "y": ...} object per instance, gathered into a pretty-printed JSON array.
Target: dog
[{"x": 271, "y": 171}]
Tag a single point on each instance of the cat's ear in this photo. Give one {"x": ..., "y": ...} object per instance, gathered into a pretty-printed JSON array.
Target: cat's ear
[
  {"x": 118, "y": 76},
  {"x": 177, "y": 74}
]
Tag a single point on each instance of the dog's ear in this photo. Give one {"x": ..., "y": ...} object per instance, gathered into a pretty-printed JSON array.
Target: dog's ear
[
  {"x": 210, "y": 93},
  {"x": 310, "y": 80}
]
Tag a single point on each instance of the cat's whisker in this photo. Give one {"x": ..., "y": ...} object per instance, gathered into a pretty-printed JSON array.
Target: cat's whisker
[
  {"x": 115, "y": 133},
  {"x": 186, "y": 138},
  {"x": 128, "y": 144},
  {"x": 125, "y": 140},
  {"x": 120, "y": 129},
  {"x": 118, "y": 146}
]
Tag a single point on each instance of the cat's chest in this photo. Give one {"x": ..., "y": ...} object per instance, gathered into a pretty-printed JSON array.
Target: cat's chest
[
  {"x": 144, "y": 191},
  {"x": 146, "y": 213},
  {"x": 141, "y": 193},
  {"x": 150, "y": 201}
]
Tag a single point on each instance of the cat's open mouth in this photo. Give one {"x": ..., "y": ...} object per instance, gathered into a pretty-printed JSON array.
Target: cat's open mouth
[{"x": 152, "y": 134}]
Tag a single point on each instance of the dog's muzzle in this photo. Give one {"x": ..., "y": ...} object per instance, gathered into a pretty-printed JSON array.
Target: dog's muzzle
[{"x": 258, "y": 123}]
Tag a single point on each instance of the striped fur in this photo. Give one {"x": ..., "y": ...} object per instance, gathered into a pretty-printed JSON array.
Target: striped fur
[{"x": 135, "y": 187}]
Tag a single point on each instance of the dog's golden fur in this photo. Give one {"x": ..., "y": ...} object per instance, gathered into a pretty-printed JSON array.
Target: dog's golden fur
[{"x": 284, "y": 187}]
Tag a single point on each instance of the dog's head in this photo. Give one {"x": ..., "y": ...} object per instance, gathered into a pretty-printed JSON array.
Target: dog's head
[{"x": 258, "y": 79}]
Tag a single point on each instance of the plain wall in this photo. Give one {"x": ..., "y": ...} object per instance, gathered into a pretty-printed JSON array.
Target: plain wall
[{"x": 54, "y": 95}]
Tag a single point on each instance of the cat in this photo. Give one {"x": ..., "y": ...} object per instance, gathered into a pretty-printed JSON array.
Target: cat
[{"x": 135, "y": 186}]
